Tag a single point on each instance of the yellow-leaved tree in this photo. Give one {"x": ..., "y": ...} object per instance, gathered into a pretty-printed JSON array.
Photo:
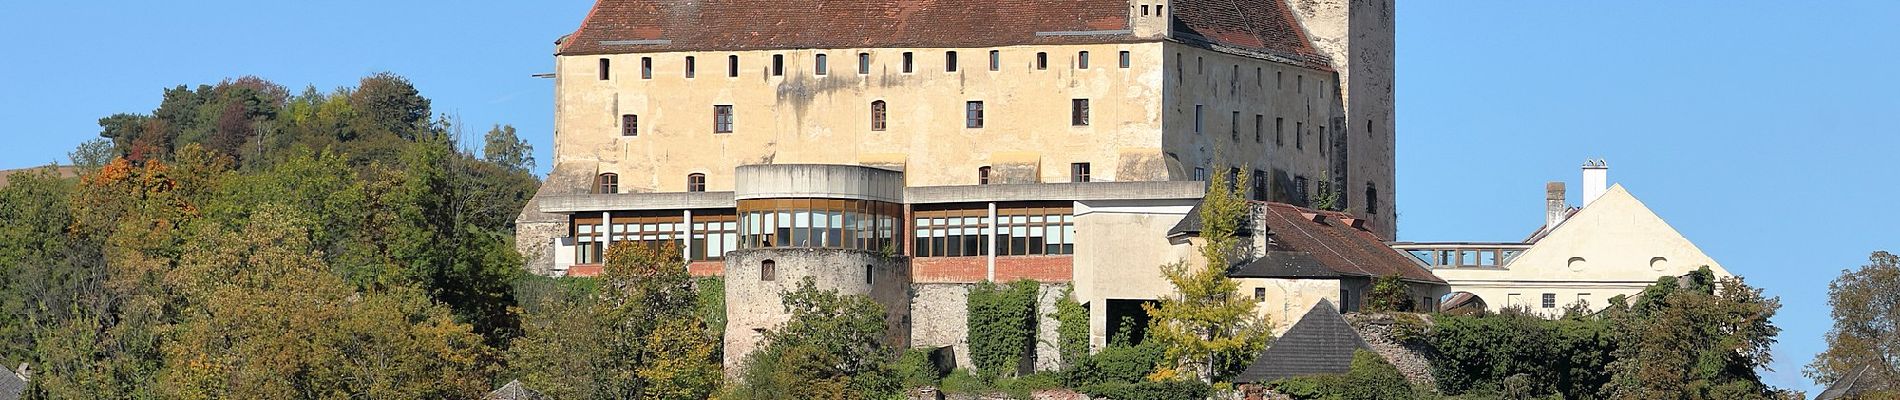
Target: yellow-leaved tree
[{"x": 1210, "y": 331}]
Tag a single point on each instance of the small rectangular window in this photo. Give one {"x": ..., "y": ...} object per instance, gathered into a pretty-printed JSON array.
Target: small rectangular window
[
  {"x": 949, "y": 61},
  {"x": 1198, "y": 121},
  {"x": 1279, "y": 79},
  {"x": 605, "y": 66},
  {"x": 629, "y": 125},
  {"x": 1042, "y": 61},
  {"x": 1079, "y": 172},
  {"x": 1200, "y": 65},
  {"x": 732, "y": 66},
  {"x": 1299, "y": 84},
  {"x": 996, "y": 60},
  {"x": 1258, "y": 120},
  {"x": 1082, "y": 60},
  {"x": 778, "y": 65},
  {"x": 864, "y": 63},
  {"x": 1144, "y": 9},
  {"x": 1079, "y": 112},
  {"x": 1259, "y": 185},
  {"x": 877, "y": 115},
  {"x": 1279, "y": 131},
  {"x": 722, "y": 119},
  {"x": 690, "y": 66},
  {"x": 1550, "y": 300},
  {"x": 973, "y": 114},
  {"x": 1259, "y": 294},
  {"x": 646, "y": 67},
  {"x": 1299, "y": 135},
  {"x": 1125, "y": 59},
  {"x": 908, "y": 62},
  {"x": 820, "y": 67},
  {"x": 1200, "y": 174},
  {"x": 1233, "y": 126}
]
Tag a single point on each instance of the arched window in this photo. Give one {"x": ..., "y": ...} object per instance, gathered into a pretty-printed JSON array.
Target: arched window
[
  {"x": 608, "y": 183},
  {"x": 696, "y": 182},
  {"x": 1372, "y": 199},
  {"x": 983, "y": 175},
  {"x": 877, "y": 115},
  {"x": 768, "y": 270}
]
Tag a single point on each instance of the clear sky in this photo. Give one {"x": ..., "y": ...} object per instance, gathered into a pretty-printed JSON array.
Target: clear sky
[{"x": 1761, "y": 130}]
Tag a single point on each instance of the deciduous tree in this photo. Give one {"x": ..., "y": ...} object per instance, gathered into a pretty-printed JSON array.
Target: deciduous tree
[
  {"x": 1209, "y": 329},
  {"x": 1866, "y": 332}
]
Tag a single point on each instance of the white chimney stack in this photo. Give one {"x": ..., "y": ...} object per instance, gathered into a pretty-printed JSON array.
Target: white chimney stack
[{"x": 1596, "y": 179}]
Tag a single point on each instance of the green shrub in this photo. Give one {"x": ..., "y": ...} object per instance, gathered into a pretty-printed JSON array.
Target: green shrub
[
  {"x": 1149, "y": 390},
  {"x": 1371, "y": 378},
  {"x": 1072, "y": 335},
  {"x": 1117, "y": 364},
  {"x": 1388, "y": 294},
  {"x": 915, "y": 370},
  {"x": 712, "y": 303},
  {"x": 1567, "y": 356},
  {"x": 1025, "y": 387},
  {"x": 961, "y": 381},
  {"x": 1002, "y": 326}
]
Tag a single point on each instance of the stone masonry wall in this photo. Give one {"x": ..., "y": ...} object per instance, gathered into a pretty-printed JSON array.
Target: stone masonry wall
[
  {"x": 940, "y": 317},
  {"x": 1380, "y": 331}
]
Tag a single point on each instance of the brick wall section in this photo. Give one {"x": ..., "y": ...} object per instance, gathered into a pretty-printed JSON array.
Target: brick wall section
[
  {"x": 1047, "y": 269},
  {"x": 703, "y": 269}
]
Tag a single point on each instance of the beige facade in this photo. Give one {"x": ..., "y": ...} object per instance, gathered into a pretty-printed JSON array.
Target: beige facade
[{"x": 1613, "y": 246}]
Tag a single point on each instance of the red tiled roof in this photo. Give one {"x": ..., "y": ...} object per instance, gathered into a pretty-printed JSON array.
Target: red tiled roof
[
  {"x": 730, "y": 25},
  {"x": 1338, "y": 245}
]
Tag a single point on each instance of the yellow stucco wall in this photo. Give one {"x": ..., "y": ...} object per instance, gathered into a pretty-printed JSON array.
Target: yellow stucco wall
[{"x": 1613, "y": 246}]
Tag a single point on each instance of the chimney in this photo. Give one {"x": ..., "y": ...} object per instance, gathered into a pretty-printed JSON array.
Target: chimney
[
  {"x": 1596, "y": 180},
  {"x": 1555, "y": 209}
]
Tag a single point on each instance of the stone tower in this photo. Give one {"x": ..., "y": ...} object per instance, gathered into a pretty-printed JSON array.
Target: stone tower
[{"x": 1358, "y": 36}]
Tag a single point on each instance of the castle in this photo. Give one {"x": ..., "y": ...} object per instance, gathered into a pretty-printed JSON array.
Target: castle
[{"x": 906, "y": 150}]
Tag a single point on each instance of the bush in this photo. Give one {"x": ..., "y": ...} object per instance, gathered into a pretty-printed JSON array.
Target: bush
[
  {"x": 1117, "y": 364},
  {"x": 1002, "y": 326},
  {"x": 915, "y": 370},
  {"x": 1072, "y": 335},
  {"x": 1388, "y": 294},
  {"x": 1150, "y": 390},
  {"x": 1568, "y": 356},
  {"x": 1371, "y": 378}
]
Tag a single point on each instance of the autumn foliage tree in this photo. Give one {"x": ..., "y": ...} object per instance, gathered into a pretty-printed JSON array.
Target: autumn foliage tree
[
  {"x": 1209, "y": 329},
  {"x": 1866, "y": 332}
]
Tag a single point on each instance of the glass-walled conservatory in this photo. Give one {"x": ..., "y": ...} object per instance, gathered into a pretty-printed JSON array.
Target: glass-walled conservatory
[{"x": 820, "y": 223}]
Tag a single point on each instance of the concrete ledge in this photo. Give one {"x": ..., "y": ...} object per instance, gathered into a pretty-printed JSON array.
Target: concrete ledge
[
  {"x": 819, "y": 181},
  {"x": 1157, "y": 190},
  {"x": 570, "y": 204}
]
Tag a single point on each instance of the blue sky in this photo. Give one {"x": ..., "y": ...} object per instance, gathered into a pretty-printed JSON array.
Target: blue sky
[{"x": 1759, "y": 129}]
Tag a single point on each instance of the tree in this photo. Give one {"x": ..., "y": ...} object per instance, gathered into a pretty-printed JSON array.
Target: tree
[
  {"x": 1209, "y": 329},
  {"x": 42, "y": 268},
  {"x": 93, "y": 154},
  {"x": 639, "y": 337},
  {"x": 1701, "y": 338},
  {"x": 502, "y": 147},
  {"x": 832, "y": 347},
  {"x": 1866, "y": 332}
]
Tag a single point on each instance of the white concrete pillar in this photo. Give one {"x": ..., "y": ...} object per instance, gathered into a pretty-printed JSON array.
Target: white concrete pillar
[
  {"x": 607, "y": 237},
  {"x": 991, "y": 258},
  {"x": 686, "y": 233}
]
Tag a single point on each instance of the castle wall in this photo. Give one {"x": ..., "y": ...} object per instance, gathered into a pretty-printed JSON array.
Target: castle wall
[
  {"x": 940, "y": 315},
  {"x": 801, "y": 117},
  {"x": 754, "y": 305}
]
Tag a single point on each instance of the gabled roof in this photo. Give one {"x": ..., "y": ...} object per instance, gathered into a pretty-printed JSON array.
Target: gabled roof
[
  {"x": 1337, "y": 245},
  {"x": 643, "y": 26},
  {"x": 1284, "y": 264},
  {"x": 12, "y": 386},
  {"x": 1853, "y": 384},
  {"x": 1191, "y": 225},
  {"x": 514, "y": 390},
  {"x": 1321, "y": 343}
]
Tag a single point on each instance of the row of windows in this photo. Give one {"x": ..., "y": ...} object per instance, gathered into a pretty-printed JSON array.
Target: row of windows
[
  {"x": 609, "y": 183},
  {"x": 1078, "y": 172},
  {"x": 1016, "y": 231},
  {"x": 826, "y": 223},
  {"x": 1259, "y": 129},
  {"x": 821, "y": 65},
  {"x": 710, "y": 235},
  {"x": 880, "y": 118}
]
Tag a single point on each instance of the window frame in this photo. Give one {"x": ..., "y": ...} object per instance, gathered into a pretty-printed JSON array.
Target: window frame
[
  {"x": 1042, "y": 61},
  {"x": 821, "y": 65},
  {"x": 605, "y": 69},
  {"x": 723, "y": 118},
  {"x": 1080, "y": 173},
  {"x": 646, "y": 67},
  {"x": 607, "y": 183},
  {"x": 778, "y": 65},
  {"x": 1082, "y": 59},
  {"x": 973, "y": 114},
  {"x": 996, "y": 60},
  {"x": 732, "y": 66},
  {"x": 696, "y": 182},
  {"x": 880, "y": 118},
  {"x": 692, "y": 65},
  {"x": 983, "y": 175},
  {"x": 629, "y": 125},
  {"x": 1126, "y": 58},
  {"x": 950, "y": 61},
  {"x": 864, "y": 63},
  {"x": 1079, "y": 112},
  {"x": 909, "y": 62}
]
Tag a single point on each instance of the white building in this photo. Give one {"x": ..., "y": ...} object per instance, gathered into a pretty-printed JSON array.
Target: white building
[{"x": 1612, "y": 245}]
